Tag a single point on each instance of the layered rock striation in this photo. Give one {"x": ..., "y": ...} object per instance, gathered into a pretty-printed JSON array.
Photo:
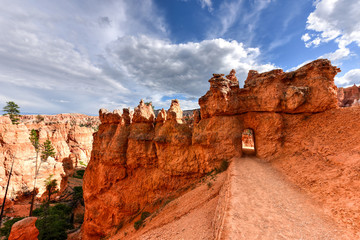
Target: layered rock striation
[
  {"x": 70, "y": 135},
  {"x": 138, "y": 160}
]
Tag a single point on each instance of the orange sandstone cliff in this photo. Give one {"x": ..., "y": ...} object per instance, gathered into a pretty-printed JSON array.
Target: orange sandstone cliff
[
  {"x": 348, "y": 97},
  {"x": 138, "y": 160},
  {"x": 71, "y": 136}
]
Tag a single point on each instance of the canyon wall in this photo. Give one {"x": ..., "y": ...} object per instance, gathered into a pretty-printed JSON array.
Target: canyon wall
[
  {"x": 349, "y": 96},
  {"x": 70, "y": 135},
  {"x": 138, "y": 160}
]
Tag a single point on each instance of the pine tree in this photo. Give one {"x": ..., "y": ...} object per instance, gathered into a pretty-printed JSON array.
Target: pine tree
[
  {"x": 12, "y": 109},
  {"x": 51, "y": 186},
  {"x": 47, "y": 151}
]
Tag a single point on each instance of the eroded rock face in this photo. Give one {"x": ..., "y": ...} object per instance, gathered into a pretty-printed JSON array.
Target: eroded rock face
[
  {"x": 175, "y": 113},
  {"x": 24, "y": 229},
  {"x": 71, "y": 136},
  {"x": 134, "y": 165},
  {"x": 309, "y": 89},
  {"x": 348, "y": 97},
  {"x": 145, "y": 159},
  {"x": 143, "y": 113},
  {"x": 161, "y": 117}
]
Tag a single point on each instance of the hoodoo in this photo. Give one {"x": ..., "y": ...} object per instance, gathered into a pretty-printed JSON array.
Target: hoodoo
[
  {"x": 298, "y": 128},
  {"x": 71, "y": 135}
]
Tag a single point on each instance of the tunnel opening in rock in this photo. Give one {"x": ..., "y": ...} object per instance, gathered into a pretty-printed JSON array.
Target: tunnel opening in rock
[{"x": 248, "y": 142}]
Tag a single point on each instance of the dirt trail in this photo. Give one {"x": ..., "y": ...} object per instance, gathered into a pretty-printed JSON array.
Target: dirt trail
[
  {"x": 260, "y": 204},
  {"x": 251, "y": 200}
]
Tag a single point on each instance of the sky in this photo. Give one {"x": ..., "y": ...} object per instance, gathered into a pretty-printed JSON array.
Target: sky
[{"x": 77, "y": 56}]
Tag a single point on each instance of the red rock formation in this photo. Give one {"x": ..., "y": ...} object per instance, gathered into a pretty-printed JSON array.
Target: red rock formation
[
  {"x": 135, "y": 164},
  {"x": 161, "y": 117},
  {"x": 143, "y": 113},
  {"x": 309, "y": 89},
  {"x": 72, "y": 143},
  {"x": 232, "y": 77},
  {"x": 348, "y": 96},
  {"x": 175, "y": 113},
  {"x": 24, "y": 230}
]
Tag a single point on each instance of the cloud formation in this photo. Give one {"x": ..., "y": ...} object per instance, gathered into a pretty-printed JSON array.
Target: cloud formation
[
  {"x": 334, "y": 20},
  {"x": 180, "y": 68},
  {"x": 56, "y": 61},
  {"x": 206, "y": 4},
  {"x": 350, "y": 78}
]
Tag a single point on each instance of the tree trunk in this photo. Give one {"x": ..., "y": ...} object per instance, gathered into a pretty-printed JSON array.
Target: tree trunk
[
  {"x": 7, "y": 187},
  {"x": 34, "y": 190}
]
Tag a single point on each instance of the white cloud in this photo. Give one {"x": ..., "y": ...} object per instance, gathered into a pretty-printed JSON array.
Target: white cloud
[
  {"x": 51, "y": 51},
  {"x": 206, "y": 4},
  {"x": 165, "y": 67},
  {"x": 57, "y": 61},
  {"x": 340, "y": 53},
  {"x": 350, "y": 78},
  {"x": 239, "y": 14},
  {"x": 306, "y": 37},
  {"x": 337, "y": 20}
]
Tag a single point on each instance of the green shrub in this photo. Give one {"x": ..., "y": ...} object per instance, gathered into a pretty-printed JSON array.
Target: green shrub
[
  {"x": 223, "y": 167},
  {"x": 78, "y": 196},
  {"x": 6, "y": 229},
  {"x": 138, "y": 224},
  {"x": 62, "y": 210},
  {"x": 82, "y": 163},
  {"x": 145, "y": 215},
  {"x": 119, "y": 226},
  {"x": 79, "y": 174},
  {"x": 52, "y": 227},
  {"x": 53, "y": 221},
  {"x": 39, "y": 118}
]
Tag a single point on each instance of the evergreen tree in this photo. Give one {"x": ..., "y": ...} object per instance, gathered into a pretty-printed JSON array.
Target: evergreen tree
[
  {"x": 51, "y": 186},
  {"x": 12, "y": 109},
  {"x": 47, "y": 151}
]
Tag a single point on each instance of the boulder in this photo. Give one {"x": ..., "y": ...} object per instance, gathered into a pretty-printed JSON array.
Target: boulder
[{"x": 24, "y": 229}]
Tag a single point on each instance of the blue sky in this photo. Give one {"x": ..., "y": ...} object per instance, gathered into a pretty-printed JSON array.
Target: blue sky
[{"x": 80, "y": 56}]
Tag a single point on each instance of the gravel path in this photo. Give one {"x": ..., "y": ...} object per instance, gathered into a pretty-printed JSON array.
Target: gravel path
[{"x": 262, "y": 205}]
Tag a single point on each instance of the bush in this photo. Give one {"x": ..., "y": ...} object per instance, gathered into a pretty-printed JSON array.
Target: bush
[
  {"x": 138, "y": 224},
  {"x": 61, "y": 210},
  {"x": 145, "y": 215},
  {"x": 52, "y": 228},
  {"x": 82, "y": 163},
  {"x": 6, "y": 229},
  {"x": 223, "y": 167},
  {"x": 39, "y": 118},
  {"x": 79, "y": 174},
  {"x": 78, "y": 196},
  {"x": 53, "y": 221}
]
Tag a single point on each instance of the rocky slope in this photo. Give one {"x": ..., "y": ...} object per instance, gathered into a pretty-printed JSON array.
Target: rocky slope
[
  {"x": 321, "y": 155},
  {"x": 139, "y": 160},
  {"x": 348, "y": 97},
  {"x": 71, "y": 136}
]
